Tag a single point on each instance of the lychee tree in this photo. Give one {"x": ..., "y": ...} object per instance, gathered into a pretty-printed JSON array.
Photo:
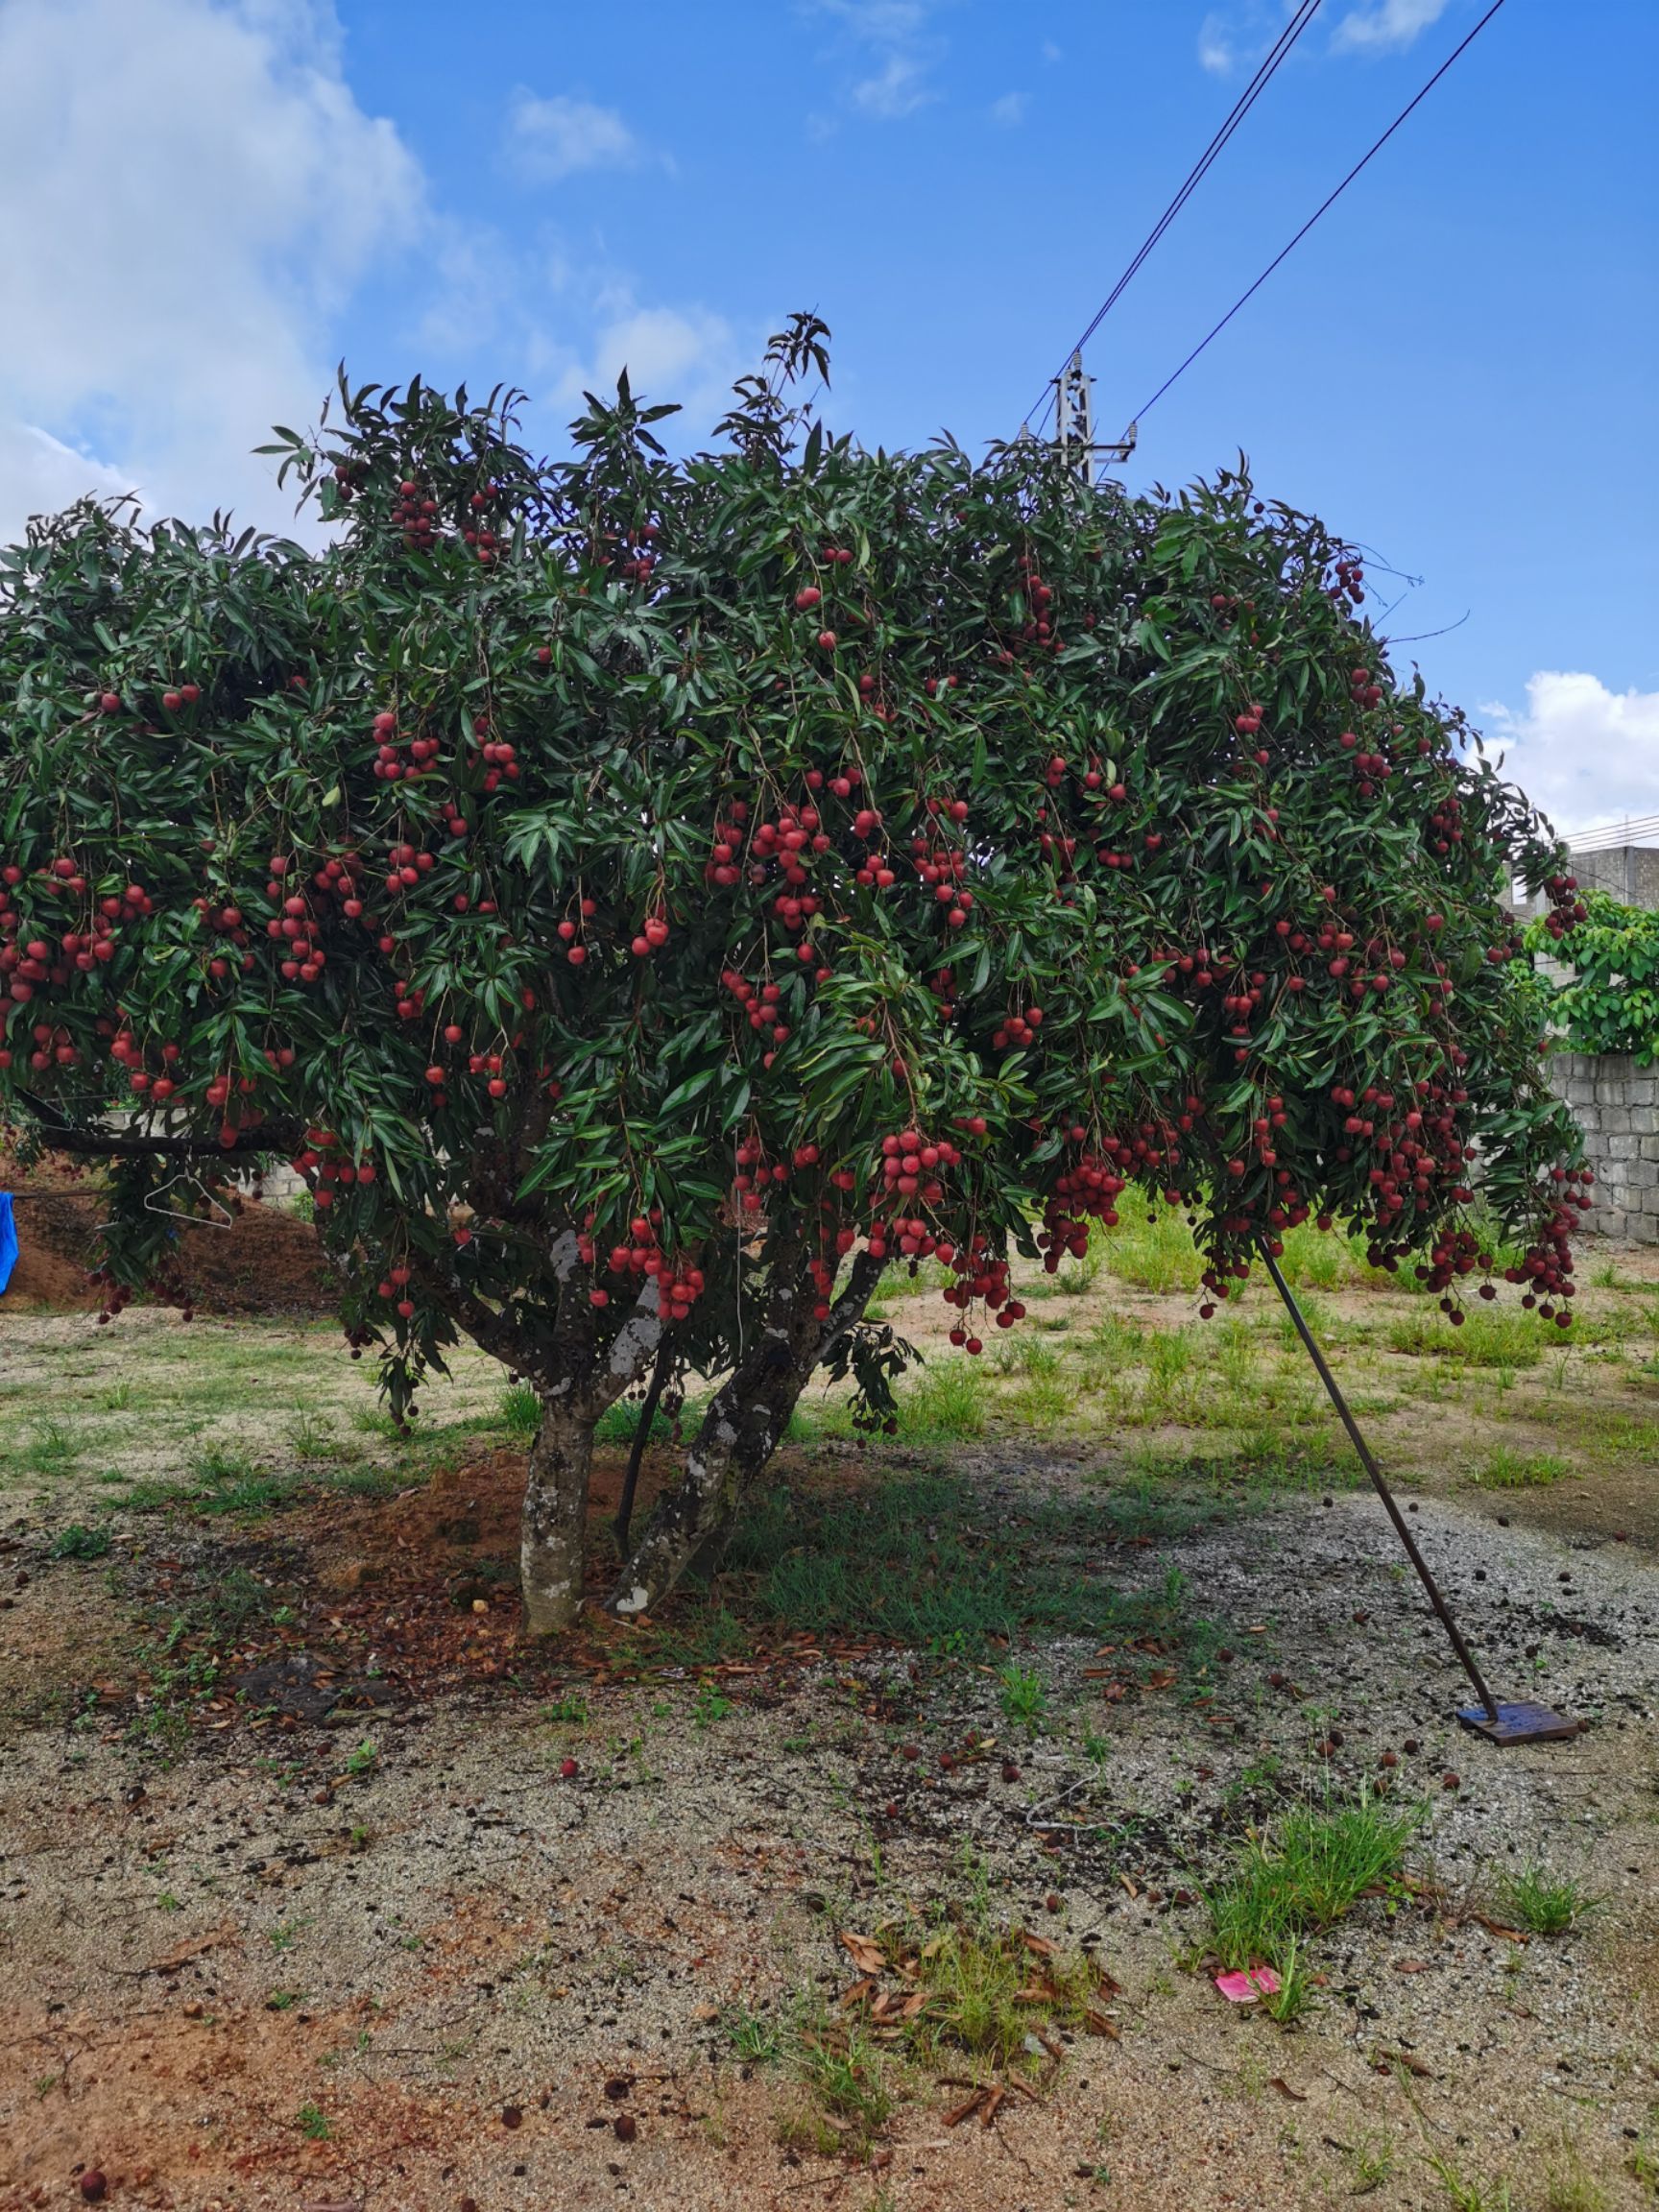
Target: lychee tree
[{"x": 648, "y": 897}]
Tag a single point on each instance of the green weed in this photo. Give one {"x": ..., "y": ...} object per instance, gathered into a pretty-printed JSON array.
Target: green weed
[
  {"x": 1491, "y": 1336},
  {"x": 1304, "y": 1875},
  {"x": 1465, "y": 2193},
  {"x": 79, "y": 1541},
  {"x": 522, "y": 1411},
  {"x": 1546, "y": 1904},
  {"x": 1023, "y": 1697},
  {"x": 1155, "y": 1255},
  {"x": 756, "y": 2040},
  {"x": 1506, "y": 1469}
]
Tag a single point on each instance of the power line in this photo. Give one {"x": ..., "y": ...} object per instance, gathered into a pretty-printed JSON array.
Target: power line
[
  {"x": 1305, "y": 13},
  {"x": 1612, "y": 834},
  {"x": 1319, "y": 211}
]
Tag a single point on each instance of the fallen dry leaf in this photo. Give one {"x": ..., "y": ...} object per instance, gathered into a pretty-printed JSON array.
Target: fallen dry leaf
[
  {"x": 869, "y": 1957},
  {"x": 1279, "y": 2083},
  {"x": 1497, "y": 1927},
  {"x": 1383, "y": 2060},
  {"x": 969, "y": 2104}
]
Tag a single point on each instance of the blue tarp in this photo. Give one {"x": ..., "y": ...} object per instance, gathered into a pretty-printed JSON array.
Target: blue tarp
[{"x": 7, "y": 1242}]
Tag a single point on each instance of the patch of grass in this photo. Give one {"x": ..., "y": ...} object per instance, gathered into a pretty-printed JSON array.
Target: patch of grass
[
  {"x": 1490, "y": 1336},
  {"x": 1041, "y": 1401},
  {"x": 571, "y": 1709},
  {"x": 756, "y": 2040},
  {"x": 1546, "y": 1904},
  {"x": 313, "y": 2124},
  {"x": 1019, "y": 1353},
  {"x": 1464, "y": 2193},
  {"x": 1569, "y": 2186},
  {"x": 1506, "y": 1469},
  {"x": 79, "y": 1541},
  {"x": 916, "y": 1561},
  {"x": 846, "y": 2071},
  {"x": 711, "y": 1705},
  {"x": 1295, "y": 1991},
  {"x": 620, "y": 1424},
  {"x": 228, "y": 1481},
  {"x": 1023, "y": 1697},
  {"x": 987, "y": 1990},
  {"x": 1324, "y": 1260},
  {"x": 1373, "y": 2159},
  {"x": 944, "y": 1402},
  {"x": 1303, "y": 1876},
  {"x": 520, "y": 1412},
  {"x": 312, "y": 1440},
  {"x": 49, "y": 1448},
  {"x": 1155, "y": 1255},
  {"x": 221, "y": 1605}
]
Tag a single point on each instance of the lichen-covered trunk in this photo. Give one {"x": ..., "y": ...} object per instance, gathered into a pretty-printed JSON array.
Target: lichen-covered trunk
[
  {"x": 745, "y": 1422},
  {"x": 553, "y": 1535}
]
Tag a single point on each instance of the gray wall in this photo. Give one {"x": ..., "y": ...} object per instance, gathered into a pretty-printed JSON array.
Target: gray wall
[
  {"x": 1627, "y": 872},
  {"x": 1617, "y": 1105}
]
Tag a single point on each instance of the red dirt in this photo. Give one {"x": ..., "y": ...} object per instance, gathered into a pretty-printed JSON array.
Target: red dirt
[{"x": 263, "y": 1262}]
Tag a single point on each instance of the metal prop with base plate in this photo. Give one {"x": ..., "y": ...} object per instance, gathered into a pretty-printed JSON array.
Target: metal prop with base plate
[{"x": 1503, "y": 1725}]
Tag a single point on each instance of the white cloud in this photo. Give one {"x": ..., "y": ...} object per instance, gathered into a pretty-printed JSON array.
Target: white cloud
[
  {"x": 1215, "y": 46},
  {"x": 190, "y": 190},
  {"x": 1010, "y": 110},
  {"x": 688, "y": 355},
  {"x": 897, "y": 33},
  {"x": 1387, "y": 25},
  {"x": 897, "y": 90},
  {"x": 1050, "y": 52},
  {"x": 1585, "y": 755},
  {"x": 554, "y": 137}
]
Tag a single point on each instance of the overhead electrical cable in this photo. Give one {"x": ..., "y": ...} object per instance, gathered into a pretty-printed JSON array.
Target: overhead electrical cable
[
  {"x": 1305, "y": 13},
  {"x": 1324, "y": 205}
]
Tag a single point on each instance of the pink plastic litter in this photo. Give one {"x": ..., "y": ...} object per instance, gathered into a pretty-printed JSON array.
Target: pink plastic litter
[{"x": 1246, "y": 1988}]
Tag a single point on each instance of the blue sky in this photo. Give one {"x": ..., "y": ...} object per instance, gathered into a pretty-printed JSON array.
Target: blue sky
[{"x": 208, "y": 201}]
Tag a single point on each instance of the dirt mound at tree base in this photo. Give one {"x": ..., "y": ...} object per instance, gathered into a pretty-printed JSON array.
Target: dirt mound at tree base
[{"x": 262, "y": 1262}]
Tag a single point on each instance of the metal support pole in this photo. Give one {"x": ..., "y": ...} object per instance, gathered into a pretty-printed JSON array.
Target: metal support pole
[
  {"x": 1507, "y": 1723},
  {"x": 1383, "y": 1490}
]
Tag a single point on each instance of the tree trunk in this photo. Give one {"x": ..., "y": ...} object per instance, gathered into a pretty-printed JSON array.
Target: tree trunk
[
  {"x": 690, "y": 1523},
  {"x": 554, "y": 1532}
]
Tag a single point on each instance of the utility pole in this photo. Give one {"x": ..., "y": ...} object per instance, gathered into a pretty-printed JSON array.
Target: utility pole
[{"x": 1074, "y": 424}]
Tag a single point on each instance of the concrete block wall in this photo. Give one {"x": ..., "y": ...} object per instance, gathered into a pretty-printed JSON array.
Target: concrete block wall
[{"x": 1617, "y": 1105}]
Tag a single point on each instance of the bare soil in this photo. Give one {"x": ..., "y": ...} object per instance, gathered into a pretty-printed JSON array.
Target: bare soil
[
  {"x": 249, "y": 1258},
  {"x": 298, "y": 1905},
  {"x": 248, "y": 1969}
]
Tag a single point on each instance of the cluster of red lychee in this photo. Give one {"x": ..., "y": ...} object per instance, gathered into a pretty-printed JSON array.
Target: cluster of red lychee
[{"x": 327, "y": 1166}]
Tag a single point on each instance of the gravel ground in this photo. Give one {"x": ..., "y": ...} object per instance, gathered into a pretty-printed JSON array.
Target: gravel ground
[{"x": 489, "y": 1982}]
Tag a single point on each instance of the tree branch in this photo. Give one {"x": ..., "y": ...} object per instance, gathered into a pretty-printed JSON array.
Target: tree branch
[{"x": 93, "y": 1142}]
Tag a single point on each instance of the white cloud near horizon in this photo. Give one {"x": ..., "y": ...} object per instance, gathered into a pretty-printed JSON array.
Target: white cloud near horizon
[
  {"x": 190, "y": 191},
  {"x": 193, "y": 197},
  {"x": 1586, "y": 755},
  {"x": 554, "y": 137}
]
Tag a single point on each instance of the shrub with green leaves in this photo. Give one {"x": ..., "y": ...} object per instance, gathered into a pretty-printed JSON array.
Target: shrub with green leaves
[
  {"x": 647, "y": 898},
  {"x": 1610, "y": 1004}
]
